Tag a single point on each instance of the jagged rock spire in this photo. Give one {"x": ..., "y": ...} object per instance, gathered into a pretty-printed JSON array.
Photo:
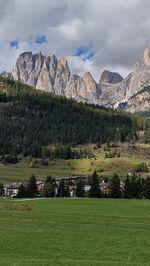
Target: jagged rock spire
[
  {"x": 146, "y": 57},
  {"x": 53, "y": 75}
]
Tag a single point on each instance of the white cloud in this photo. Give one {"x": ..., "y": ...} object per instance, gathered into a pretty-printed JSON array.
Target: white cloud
[
  {"x": 118, "y": 31},
  {"x": 81, "y": 66},
  {"x": 71, "y": 31}
]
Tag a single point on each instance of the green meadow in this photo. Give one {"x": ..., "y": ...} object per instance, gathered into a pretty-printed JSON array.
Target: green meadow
[
  {"x": 71, "y": 232},
  {"x": 129, "y": 158}
]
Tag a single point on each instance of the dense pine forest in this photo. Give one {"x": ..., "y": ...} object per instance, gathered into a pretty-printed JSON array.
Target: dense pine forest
[{"x": 31, "y": 120}]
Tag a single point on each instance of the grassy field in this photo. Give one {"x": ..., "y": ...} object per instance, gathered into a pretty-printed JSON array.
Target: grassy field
[
  {"x": 70, "y": 232},
  {"x": 130, "y": 157}
]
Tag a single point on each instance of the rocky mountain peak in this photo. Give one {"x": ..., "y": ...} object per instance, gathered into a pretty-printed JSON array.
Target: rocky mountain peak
[
  {"x": 63, "y": 62},
  {"x": 90, "y": 86},
  {"x": 89, "y": 82},
  {"x": 25, "y": 55},
  {"x": 88, "y": 77},
  {"x": 53, "y": 58},
  {"x": 140, "y": 76},
  {"x": 110, "y": 77},
  {"x": 146, "y": 56},
  {"x": 54, "y": 75}
]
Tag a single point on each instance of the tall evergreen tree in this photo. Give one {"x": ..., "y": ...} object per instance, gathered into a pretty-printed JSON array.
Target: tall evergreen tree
[
  {"x": 139, "y": 188},
  {"x": 115, "y": 187},
  {"x": 67, "y": 191},
  {"x": 95, "y": 188},
  {"x": 2, "y": 191},
  {"x": 147, "y": 188},
  {"x": 32, "y": 189},
  {"x": 127, "y": 188},
  {"x": 63, "y": 189},
  {"x": 80, "y": 192},
  {"x": 136, "y": 187},
  {"x": 21, "y": 192},
  {"x": 49, "y": 187},
  {"x": 48, "y": 179},
  {"x": 133, "y": 186}
]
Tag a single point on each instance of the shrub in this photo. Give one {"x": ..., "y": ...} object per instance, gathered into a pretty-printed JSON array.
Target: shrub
[{"x": 142, "y": 167}]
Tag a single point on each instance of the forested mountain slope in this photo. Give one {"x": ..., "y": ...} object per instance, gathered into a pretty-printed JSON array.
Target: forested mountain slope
[{"x": 31, "y": 119}]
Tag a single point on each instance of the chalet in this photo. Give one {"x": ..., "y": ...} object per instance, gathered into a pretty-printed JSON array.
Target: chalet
[
  {"x": 105, "y": 187},
  {"x": 71, "y": 182},
  {"x": 12, "y": 189},
  {"x": 40, "y": 185},
  {"x": 122, "y": 185}
]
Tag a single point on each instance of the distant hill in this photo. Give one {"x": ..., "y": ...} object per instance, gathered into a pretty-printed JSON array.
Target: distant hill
[{"x": 31, "y": 119}]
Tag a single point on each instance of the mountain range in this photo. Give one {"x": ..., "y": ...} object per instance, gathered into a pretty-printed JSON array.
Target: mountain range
[{"x": 54, "y": 75}]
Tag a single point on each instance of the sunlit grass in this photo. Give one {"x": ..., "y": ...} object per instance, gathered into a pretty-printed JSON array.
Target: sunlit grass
[
  {"x": 76, "y": 232},
  {"x": 130, "y": 157}
]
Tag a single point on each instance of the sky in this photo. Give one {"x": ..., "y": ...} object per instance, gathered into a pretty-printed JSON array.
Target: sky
[{"x": 93, "y": 34}]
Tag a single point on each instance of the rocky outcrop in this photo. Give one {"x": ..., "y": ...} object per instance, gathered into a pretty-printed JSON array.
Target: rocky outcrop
[
  {"x": 88, "y": 87},
  {"x": 53, "y": 75},
  {"x": 140, "y": 77},
  {"x": 83, "y": 88},
  {"x": 139, "y": 102},
  {"x": 121, "y": 94},
  {"x": 146, "y": 57},
  {"x": 110, "y": 77},
  {"x": 62, "y": 76},
  {"x": 48, "y": 73},
  {"x": 46, "y": 78},
  {"x": 28, "y": 67}
]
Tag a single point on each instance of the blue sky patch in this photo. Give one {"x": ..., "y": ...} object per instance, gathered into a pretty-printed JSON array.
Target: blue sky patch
[
  {"x": 14, "y": 44},
  {"x": 84, "y": 52},
  {"x": 40, "y": 39}
]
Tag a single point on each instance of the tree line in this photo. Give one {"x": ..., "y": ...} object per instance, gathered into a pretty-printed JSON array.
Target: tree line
[
  {"x": 133, "y": 187},
  {"x": 65, "y": 152}
]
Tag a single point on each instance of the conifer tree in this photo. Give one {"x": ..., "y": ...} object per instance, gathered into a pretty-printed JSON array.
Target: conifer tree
[
  {"x": 21, "y": 192},
  {"x": 115, "y": 187},
  {"x": 32, "y": 190},
  {"x": 63, "y": 189},
  {"x": 2, "y": 191},
  {"x": 147, "y": 188},
  {"x": 95, "y": 189},
  {"x": 80, "y": 192},
  {"x": 127, "y": 188},
  {"x": 49, "y": 187},
  {"x": 136, "y": 187},
  {"x": 139, "y": 188}
]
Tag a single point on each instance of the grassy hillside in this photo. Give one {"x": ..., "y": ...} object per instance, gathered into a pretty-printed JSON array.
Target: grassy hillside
[
  {"x": 129, "y": 158},
  {"x": 75, "y": 232}
]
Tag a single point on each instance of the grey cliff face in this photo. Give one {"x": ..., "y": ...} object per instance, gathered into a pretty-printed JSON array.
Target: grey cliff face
[
  {"x": 53, "y": 75},
  {"x": 110, "y": 77},
  {"x": 48, "y": 73},
  {"x": 123, "y": 91},
  {"x": 140, "y": 76},
  {"x": 62, "y": 76},
  {"x": 139, "y": 102},
  {"x": 27, "y": 68}
]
